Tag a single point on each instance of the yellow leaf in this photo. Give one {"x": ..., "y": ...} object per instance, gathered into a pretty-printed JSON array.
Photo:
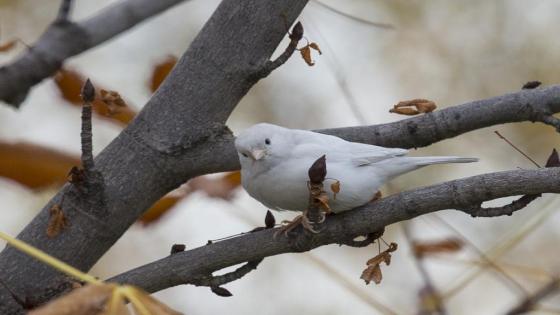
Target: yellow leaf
[{"x": 306, "y": 55}]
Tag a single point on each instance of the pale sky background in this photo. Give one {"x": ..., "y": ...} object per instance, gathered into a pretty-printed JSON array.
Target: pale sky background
[{"x": 447, "y": 51}]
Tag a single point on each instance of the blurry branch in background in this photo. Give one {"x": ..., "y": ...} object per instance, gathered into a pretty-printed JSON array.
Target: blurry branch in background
[
  {"x": 530, "y": 303},
  {"x": 64, "y": 39},
  {"x": 430, "y": 299},
  {"x": 181, "y": 268},
  {"x": 353, "y": 17}
]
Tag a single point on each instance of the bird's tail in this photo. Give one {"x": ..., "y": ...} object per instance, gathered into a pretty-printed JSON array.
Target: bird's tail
[
  {"x": 404, "y": 164},
  {"x": 429, "y": 160}
]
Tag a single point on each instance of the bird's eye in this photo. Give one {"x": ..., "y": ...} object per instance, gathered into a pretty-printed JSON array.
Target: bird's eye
[
  {"x": 245, "y": 155},
  {"x": 267, "y": 141}
]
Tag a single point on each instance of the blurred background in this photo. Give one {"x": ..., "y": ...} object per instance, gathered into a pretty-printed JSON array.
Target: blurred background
[{"x": 449, "y": 52}]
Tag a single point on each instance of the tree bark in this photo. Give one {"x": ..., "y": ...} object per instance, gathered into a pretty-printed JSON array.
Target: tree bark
[{"x": 171, "y": 140}]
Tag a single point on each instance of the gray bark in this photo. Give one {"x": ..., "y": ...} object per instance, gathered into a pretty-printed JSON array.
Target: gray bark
[
  {"x": 172, "y": 139},
  {"x": 182, "y": 267},
  {"x": 180, "y": 134},
  {"x": 64, "y": 39}
]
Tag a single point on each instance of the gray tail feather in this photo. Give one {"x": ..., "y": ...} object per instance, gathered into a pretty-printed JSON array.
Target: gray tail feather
[{"x": 428, "y": 160}]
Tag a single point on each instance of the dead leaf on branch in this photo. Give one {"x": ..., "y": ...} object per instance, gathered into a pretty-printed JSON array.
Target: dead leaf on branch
[
  {"x": 305, "y": 52},
  {"x": 335, "y": 187},
  {"x": 413, "y": 107},
  {"x": 113, "y": 100},
  {"x": 160, "y": 72},
  {"x": 373, "y": 269},
  {"x": 450, "y": 245},
  {"x": 70, "y": 82},
  {"x": 57, "y": 221}
]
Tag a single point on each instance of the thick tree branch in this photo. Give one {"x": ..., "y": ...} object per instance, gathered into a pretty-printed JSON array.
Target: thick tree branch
[
  {"x": 182, "y": 267},
  {"x": 536, "y": 105},
  {"x": 64, "y": 39},
  {"x": 170, "y": 141}
]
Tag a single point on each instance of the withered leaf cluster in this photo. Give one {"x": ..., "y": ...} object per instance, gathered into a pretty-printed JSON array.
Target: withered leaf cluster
[
  {"x": 373, "y": 269},
  {"x": 413, "y": 107},
  {"x": 305, "y": 52}
]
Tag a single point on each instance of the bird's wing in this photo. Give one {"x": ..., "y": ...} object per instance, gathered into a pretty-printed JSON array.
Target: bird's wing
[{"x": 336, "y": 149}]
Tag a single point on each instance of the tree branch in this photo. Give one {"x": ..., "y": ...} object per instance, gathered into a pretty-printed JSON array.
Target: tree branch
[
  {"x": 182, "y": 267},
  {"x": 170, "y": 141},
  {"x": 423, "y": 130},
  {"x": 64, "y": 39}
]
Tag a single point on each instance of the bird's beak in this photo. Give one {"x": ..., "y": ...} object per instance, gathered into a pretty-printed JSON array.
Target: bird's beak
[{"x": 257, "y": 154}]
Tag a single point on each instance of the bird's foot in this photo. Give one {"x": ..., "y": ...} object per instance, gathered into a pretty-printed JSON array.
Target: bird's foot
[{"x": 303, "y": 220}]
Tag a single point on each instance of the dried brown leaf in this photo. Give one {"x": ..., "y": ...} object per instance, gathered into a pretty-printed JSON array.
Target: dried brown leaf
[
  {"x": 160, "y": 72},
  {"x": 57, "y": 221},
  {"x": 316, "y": 47},
  {"x": 372, "y": 273},
  {"x": 34, "y": 166},
  {"x": 7, "y": 46},
  {"x": 420, "y": 106},
  {"x": 70, "y": 82},
  {"x": 323, "y": 200},
  {"x": 113, "y": 100},
  {"x": 87, "y": 300},
  {"x": 306, "y": 55},
  {"x": 335, "y": 187},
  {"x": 450, "y": 245}
]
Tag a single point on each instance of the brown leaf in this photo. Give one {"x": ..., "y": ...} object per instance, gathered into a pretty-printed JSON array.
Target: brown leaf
[
  {"x": 7, "y": 46},
  {"x": 70, "y": 82},
  {"x": 373, "y": 270},
  {"x": 34, "y": 166},
  {"x": 306, "y": 55},
  {"x": 87, "y": 300},
  {"x": 316, "y": 47},
  {"x": 450, "y": 245},
  {"x": 160, "y": 208},
  {"x": 323, "y": 200},
  {"x": 420, "y": 106},
  {"x": 113, "y": 100},
  {"x": 553, "y": 160},
  {"x": 372, "y": 273},
  {"x": 335, "y": 187},
  {"x": 220, "y": 291},
  {"x": 318, "y": 170},
  {"x": 160, "y": 72},
  {"x": 57, "y": 221}
]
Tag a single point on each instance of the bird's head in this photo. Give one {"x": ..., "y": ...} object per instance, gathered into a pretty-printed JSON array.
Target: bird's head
[{"x": 260, "y": 143}]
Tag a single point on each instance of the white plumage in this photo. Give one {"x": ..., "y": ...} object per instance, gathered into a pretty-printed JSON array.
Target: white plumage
[{"x": 275, "y": 163}]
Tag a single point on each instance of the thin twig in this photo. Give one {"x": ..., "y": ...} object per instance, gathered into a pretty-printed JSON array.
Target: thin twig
[
  {"x": 64, "y": 11},
  {"x": 295, "y": 36},
  {"x": 529, "y": 303},
  {"x": 509, "y": 209},
  {"x": 88, "y": 95},
  {"x": 516, "y": 148},
  {"x": 429, "y": 291},
  {"x": 355, "y": 18}
]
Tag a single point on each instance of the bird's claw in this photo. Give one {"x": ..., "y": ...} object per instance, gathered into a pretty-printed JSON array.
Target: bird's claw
[{"x": 288, "y": 226}]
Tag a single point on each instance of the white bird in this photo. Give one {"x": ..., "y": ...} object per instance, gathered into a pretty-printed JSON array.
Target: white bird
[{"x": 275, "y": 163}]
